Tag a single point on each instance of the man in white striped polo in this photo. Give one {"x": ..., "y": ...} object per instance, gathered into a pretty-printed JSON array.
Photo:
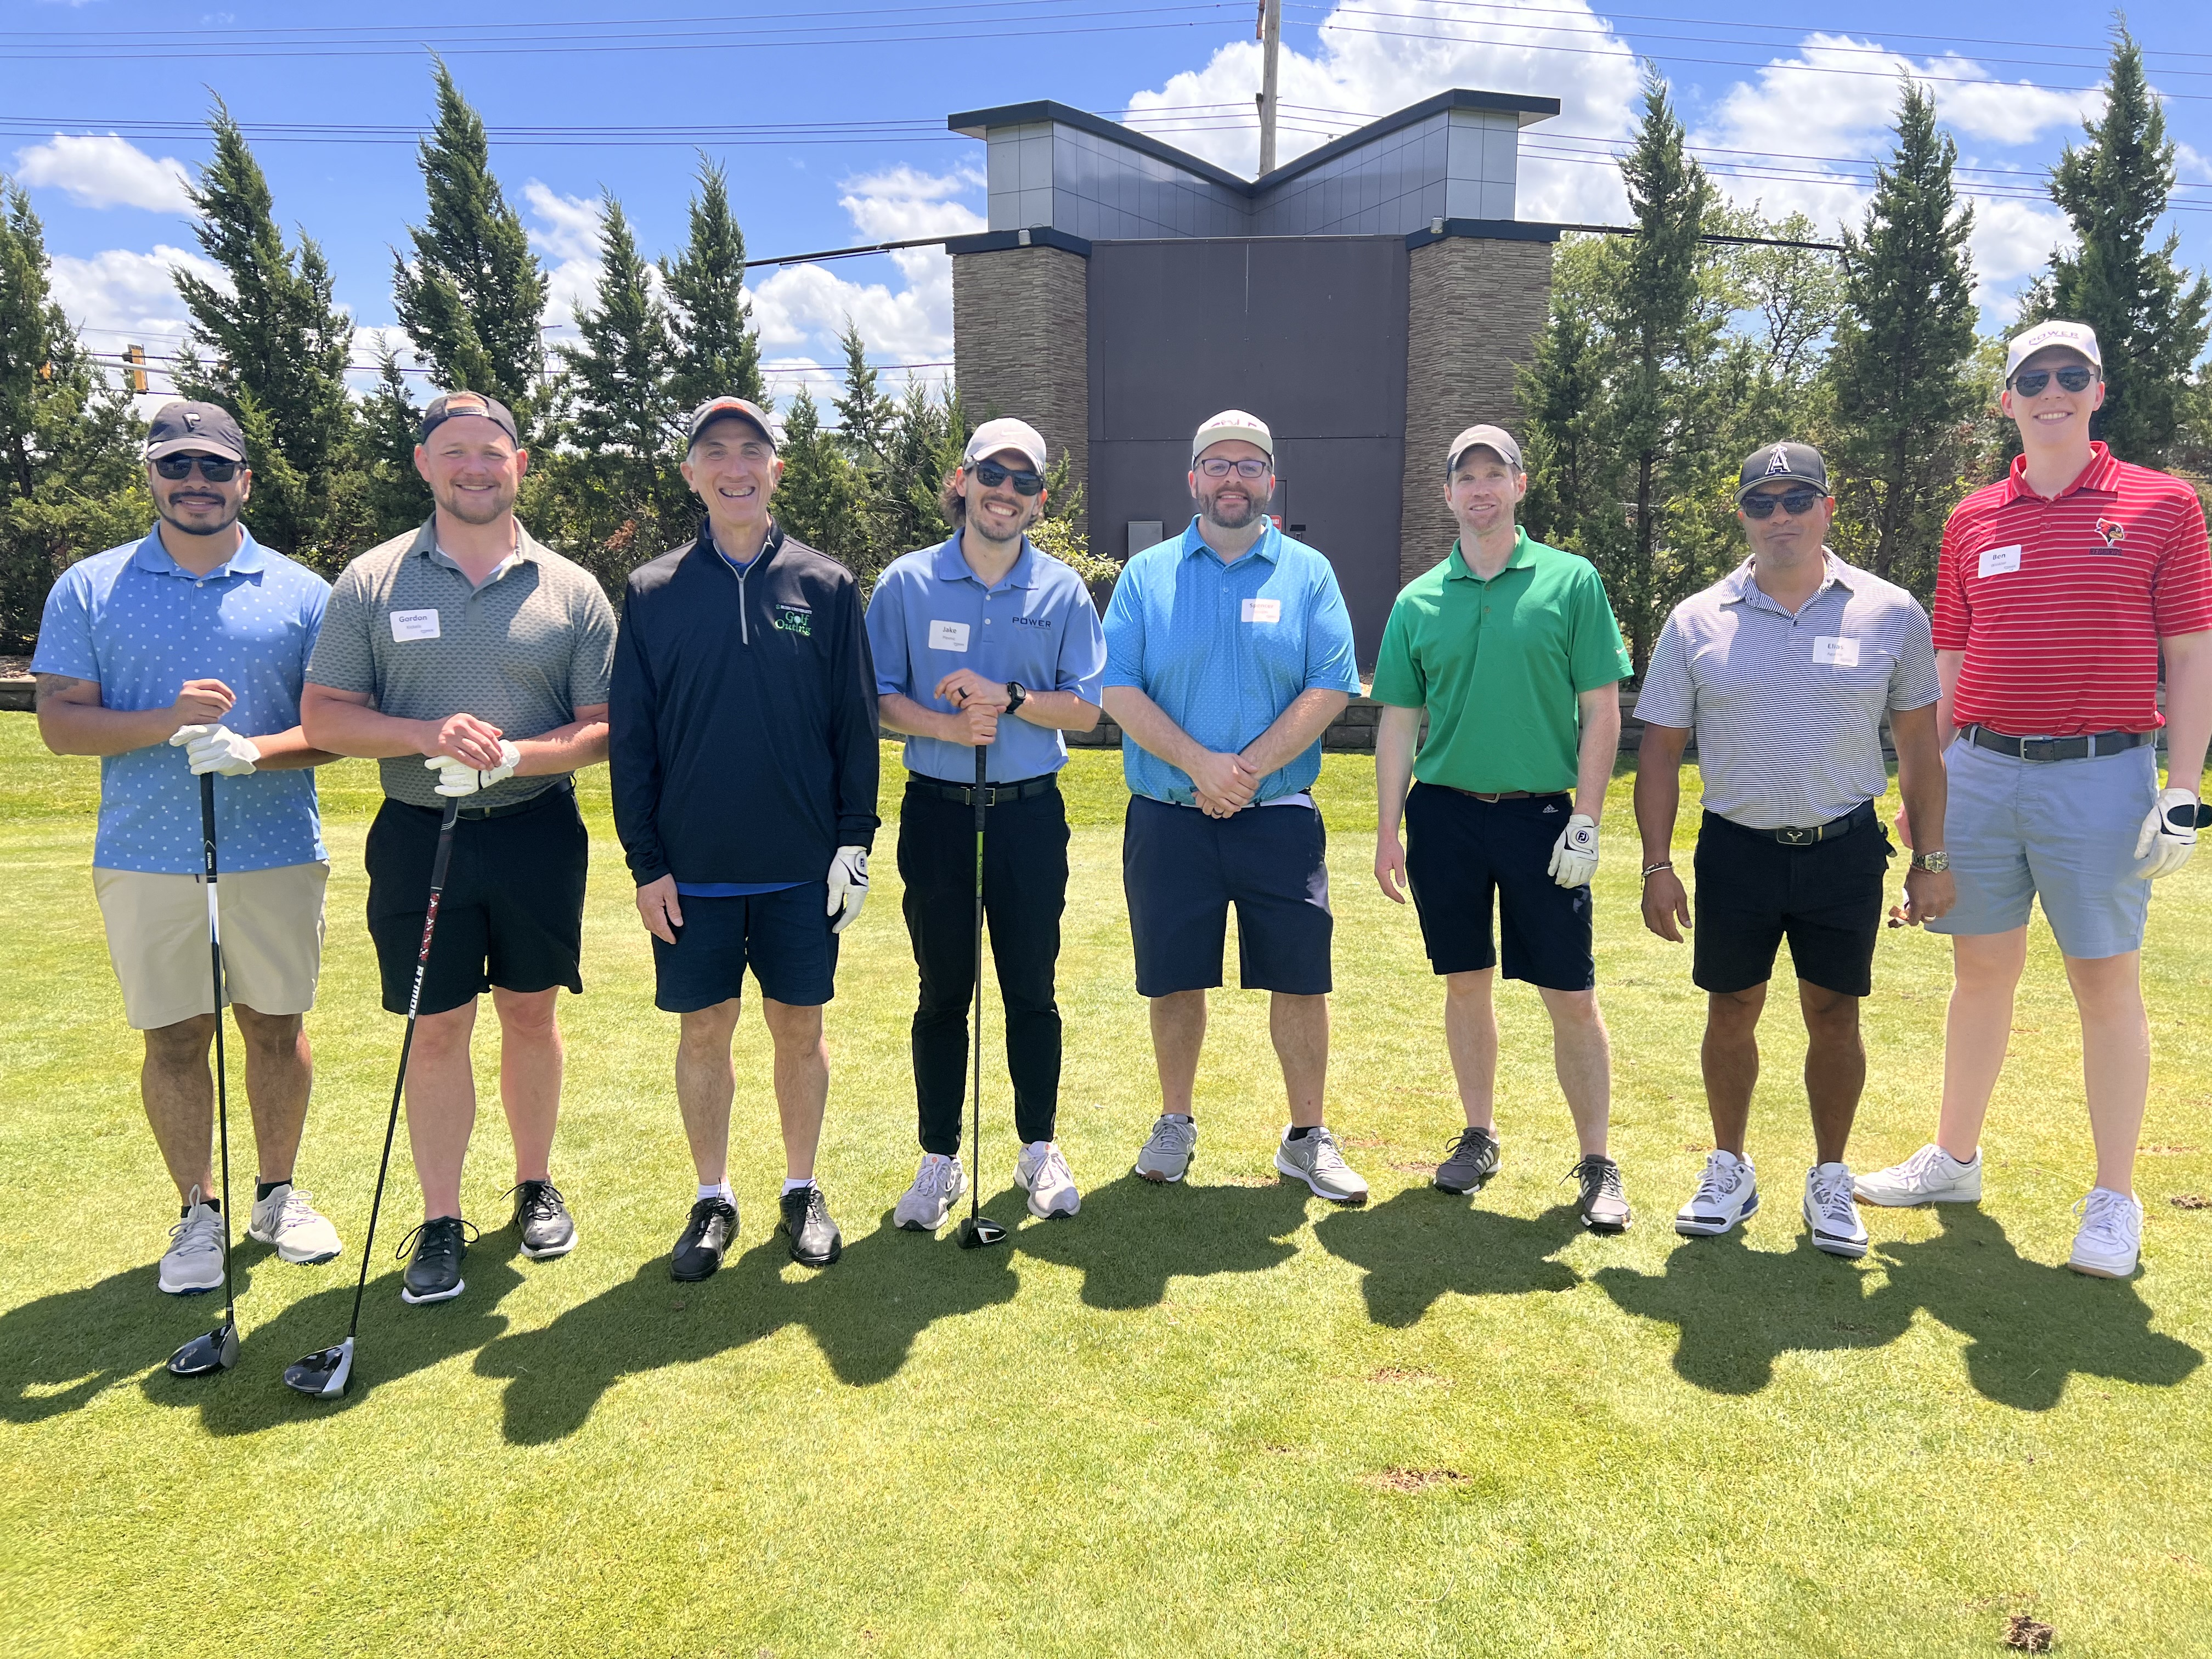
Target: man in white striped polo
[{"x": 1783, "y": 669}]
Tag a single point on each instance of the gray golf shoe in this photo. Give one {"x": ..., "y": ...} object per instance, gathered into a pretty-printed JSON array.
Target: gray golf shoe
[
  {"x": 1471, "y": 1163},
  {"x": 1166, "y": 1155},
  {"x": 193, "y": 1261},
  {"x": 938, "y": 1185},
  {"x": 1316, "y": 1160}
]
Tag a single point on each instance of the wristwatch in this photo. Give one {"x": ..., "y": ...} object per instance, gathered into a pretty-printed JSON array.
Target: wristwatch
[
  {"x": 1935, "y": 863},
  {"x": 1016, "y": 695}
]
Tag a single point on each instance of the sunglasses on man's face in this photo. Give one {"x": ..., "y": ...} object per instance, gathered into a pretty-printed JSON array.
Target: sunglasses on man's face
[
  {"x": 177, "y": 468},
  {"x": 2075, "y": 377},
  {"x": 991, "y": 475},
  {"x": 1795, "y": 502},
  {"x": 1247, "y": 469}
]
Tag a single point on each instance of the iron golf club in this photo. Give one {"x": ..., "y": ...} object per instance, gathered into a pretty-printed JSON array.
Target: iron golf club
[
  {"x": 217, "y": 1351},
  {"x": 324, "y": 1374},
  {"x": 979, "y": 1230}
]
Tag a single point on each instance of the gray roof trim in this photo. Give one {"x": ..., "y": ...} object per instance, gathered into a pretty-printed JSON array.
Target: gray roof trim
[
  {"x": 1529, "y": 110},
  {"x": 991, "y": 241},
  {"x": 975, "y": 123},
  {"x": 1496, "y": 230}
]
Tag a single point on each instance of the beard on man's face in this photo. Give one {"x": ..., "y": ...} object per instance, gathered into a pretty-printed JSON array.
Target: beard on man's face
[{"x": 1257, "y": 496}]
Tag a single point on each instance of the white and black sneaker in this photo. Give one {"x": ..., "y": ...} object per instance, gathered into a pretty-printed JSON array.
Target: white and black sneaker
[
  {"x": 1831, "y": 1212},
  {"x": 705, "y": 1240},
  {"x": 1727, "y": 1193},
  {"x": 434, "y": 1273}
]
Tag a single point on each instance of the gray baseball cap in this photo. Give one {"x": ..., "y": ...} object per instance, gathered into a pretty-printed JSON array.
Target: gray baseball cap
[
  {"x": 1496, "y": 439},
  {"x": 203, "y": 428},
  {"x": 1783, "y": 462}
]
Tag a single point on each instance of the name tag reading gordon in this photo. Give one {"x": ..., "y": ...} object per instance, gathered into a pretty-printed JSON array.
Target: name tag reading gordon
[
  {"x": 414, "y": 625},
  {"x": 948, "y": 636},
  {"x": 2000, "y": 561},
  {"x": 1263, "y": 610},
  {"x": 1839, "y": 652}
]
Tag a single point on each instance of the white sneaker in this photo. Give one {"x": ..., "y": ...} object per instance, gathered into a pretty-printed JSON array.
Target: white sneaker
[
  {"x": 193, "y": 1261},
  {"x": 1830, "y": 1213},
  {"x": 286, "y": 1219},
  {"x": 2111, "y": 1238},
  {"x": 938, "y": 1185},
  {"x": 1728, "y": 1193},
  {"x": 1930, "y": 1175},
  {"x": 1166, "y": 1155},
  {"x": 1051, "y": 1184}
]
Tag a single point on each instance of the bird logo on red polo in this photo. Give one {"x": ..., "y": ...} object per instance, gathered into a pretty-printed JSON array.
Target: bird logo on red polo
[{"x": 2112, "y": 530}]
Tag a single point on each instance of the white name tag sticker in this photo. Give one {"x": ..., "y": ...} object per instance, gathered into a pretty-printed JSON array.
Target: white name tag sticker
[
  {"x": 414, "y": 625},
  {"x": 1263, "y": 610},
  {"x": 948, "y": 636},
  {"x": 1841, "y": 652},
  {"x": 2000, "y": 561}
]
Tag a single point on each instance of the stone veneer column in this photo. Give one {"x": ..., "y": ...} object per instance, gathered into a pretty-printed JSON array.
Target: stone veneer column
[
  {"x": 1475, "y": 308},
  {"x": 1021, "y": 344}
]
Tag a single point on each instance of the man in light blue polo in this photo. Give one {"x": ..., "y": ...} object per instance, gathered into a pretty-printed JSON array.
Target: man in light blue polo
[
  {"x": 172, "y": 658},
  {"x": 1228, "y": 652},
  {"x": 980, "y": 641}
]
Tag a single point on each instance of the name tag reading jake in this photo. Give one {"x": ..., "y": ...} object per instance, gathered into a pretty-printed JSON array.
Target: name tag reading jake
[
  {"x": 948, "y": 636},
  {"x": 2000, "y": 561},
  {"x": 414, "y": 625},
  {"x": 1841, "y": 652},
  {"x": 1263, "y": 610}
]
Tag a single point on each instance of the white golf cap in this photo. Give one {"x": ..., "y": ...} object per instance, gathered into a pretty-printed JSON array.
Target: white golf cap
[
  {"x": 2077, "y": 337},
  {"x": 1233, "y": 423},
  {"x": 1495, "y": 439},
  {"x": 1005, "y": 433}
]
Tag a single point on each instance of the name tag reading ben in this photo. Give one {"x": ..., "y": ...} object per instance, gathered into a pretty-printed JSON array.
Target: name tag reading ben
[
  {"x": 414, "y": 625},
  {"x": 2000, "y": 561},
  {"x": 1841, "y": 653},
  {"x": 948, "y": 636},
  {"x": 1263, "y": 610}
]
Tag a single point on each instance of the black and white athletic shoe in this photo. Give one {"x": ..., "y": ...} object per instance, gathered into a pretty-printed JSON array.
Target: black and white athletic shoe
[
  {"x": 1603, "y": 1205},
  {"x": 815, "y": 1240},
  {"x": 699, "y": 1247},
  {"x": 434, "y": 1274},
  {"x": 543, "y": 1220},
  {"x": 1469, "y": 1165}
]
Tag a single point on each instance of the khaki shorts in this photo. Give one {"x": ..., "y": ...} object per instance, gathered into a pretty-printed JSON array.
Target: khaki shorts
[{"x": 157, "y": 936}]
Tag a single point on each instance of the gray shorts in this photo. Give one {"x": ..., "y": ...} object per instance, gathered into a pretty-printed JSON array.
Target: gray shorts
[{"x": 2062, "y": 831}]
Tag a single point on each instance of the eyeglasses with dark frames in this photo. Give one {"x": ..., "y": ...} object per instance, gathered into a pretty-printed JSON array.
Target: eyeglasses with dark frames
[
  {"x": 1214, "y": 467},
  {"x": 1795, "y": 502},
  {"x": 2074, "y": 377},
  {"x": 991, "y": 475},
  {"x": 214, "y": 468}
]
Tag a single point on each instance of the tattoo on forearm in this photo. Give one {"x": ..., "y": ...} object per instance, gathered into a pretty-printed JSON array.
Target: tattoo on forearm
[{"x": 51, "y": 685}]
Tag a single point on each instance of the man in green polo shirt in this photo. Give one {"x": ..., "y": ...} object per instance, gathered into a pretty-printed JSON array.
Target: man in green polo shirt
[{"x": 1511, "y": 648}]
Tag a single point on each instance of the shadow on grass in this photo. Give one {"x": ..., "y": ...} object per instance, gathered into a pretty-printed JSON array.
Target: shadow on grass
[
  {"x": 1424, "y": 1244},
  {"x": 63, "y": 1351},
  {"x": 1135, "y": 1235}
]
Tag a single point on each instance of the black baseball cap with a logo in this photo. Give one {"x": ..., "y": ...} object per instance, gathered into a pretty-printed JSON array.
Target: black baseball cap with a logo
[
  {"x": 450, "y": 405},
  {"x": 202, "y": 429},
  {"x": 1783, "y": 463}
]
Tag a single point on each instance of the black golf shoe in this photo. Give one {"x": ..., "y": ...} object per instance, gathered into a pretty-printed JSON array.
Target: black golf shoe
[
  {"x": 542, "y": 1220},
  {"x": 1469, "y": 1165},
  {"x": 699, "y": 1249},
  {"x": 1603, "y": 1205},
  {"x": 815, "y": 1240},
  {"x": 434, "y": 1273}
]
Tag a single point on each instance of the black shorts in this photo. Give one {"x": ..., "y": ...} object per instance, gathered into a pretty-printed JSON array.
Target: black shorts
[
  {"x": 1753, "y": 892},
  {"x": 1181, "y": 871},
  {"x": 513, "y": 912},
  {"x": 784, "y": 937},
  {"x": 1460, "y": 851}
]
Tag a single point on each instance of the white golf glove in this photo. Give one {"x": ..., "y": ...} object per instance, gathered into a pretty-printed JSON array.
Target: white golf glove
[
  {"x": 215, "y": 749},
  {"x": 1574, "y": 855},
  {"x": 848, "y": 886},
  {"x": 2169, "y": 834},
  {"x": 460, "y": 778}
]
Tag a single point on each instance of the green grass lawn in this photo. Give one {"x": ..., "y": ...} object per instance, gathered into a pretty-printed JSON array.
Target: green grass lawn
[{"x": 1215, "y": 1418}]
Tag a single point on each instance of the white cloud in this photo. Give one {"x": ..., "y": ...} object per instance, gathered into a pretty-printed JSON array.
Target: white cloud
[
  {"x": 123, "y": 297},
  {"x": 98, "y": 172},
  {"x": 567, "y": 234}
]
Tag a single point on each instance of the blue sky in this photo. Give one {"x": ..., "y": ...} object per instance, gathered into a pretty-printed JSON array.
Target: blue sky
[{"x": 830, "y": 121}]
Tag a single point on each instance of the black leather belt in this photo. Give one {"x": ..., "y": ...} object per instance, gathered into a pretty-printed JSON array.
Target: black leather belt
[
  {"x": 1793, "y": 834},
  {"x": 565, "y": 787},
  {"x": 994, "y": 794},
  {"x": 1492, "y": 799},
  {"x": 2085, "y": 747}
]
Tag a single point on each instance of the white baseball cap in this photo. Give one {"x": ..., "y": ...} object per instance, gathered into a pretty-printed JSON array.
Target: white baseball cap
[
  {"x": 2077, "y": 337},
  {"x": 1233, "y": 423},
  {"x": 1005, "y": 433}
]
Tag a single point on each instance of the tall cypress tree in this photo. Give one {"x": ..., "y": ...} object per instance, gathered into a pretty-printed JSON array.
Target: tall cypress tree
[
  {"x": 1902, "y": 348},
  {"x": 2149, "y": 318},
  {"x": 472, "y": 296},
  {"x": 399, "y": 500},
  {"x": 821, "y": 500},
  {"x": 717, "y": 352}
]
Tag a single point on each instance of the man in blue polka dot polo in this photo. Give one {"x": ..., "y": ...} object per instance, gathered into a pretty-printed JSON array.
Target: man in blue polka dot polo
[{"x": 172, "y": 658}]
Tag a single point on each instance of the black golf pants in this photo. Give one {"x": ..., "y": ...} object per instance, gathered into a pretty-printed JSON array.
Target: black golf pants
[{"x": 1025, "y": 890}]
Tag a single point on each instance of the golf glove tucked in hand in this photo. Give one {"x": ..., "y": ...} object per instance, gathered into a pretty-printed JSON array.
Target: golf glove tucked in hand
[
  {"x": 2169, "y": 834},
  {"x": 460, "y": 778},
  {"x": 848, "y": 886},
  {"x": 1574, "y": 855},
  {"x": 215, "y": 749}
]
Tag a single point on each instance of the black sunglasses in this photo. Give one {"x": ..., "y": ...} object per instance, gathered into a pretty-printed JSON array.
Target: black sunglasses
[
  {"x": 176, "y": 468},
  {"x": 1795, "y": 502},
  {"x": 2074, "y": 377},
  {"x": 991, "y": 475}
]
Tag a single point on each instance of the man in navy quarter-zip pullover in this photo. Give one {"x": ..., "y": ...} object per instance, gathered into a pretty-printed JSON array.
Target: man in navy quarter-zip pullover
[{"x": 744, "y": 768}]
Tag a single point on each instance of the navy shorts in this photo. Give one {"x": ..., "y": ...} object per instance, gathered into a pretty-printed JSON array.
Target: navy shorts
[
  {"x": 1826, "y": 899},
  {"x": 1181, "y": 871},
  {"x": 784, "y": 937},
  {"x": 1460, "y": 853}
]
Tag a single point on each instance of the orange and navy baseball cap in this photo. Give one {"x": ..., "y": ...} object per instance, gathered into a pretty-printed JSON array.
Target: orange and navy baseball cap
[{"x": 732, "y": 408}]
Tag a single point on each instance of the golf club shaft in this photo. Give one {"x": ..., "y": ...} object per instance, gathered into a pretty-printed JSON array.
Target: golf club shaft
[
  {"x": 443, "y": 856},
  {"x": 976, "y": 1144},
  {"x": 221, "y": 1076}
]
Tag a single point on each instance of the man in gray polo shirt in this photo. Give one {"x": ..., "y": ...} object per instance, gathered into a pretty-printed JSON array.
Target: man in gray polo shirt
[
  {"x": 1785, "y": 668},
  {"x": 472, "y": 661}
]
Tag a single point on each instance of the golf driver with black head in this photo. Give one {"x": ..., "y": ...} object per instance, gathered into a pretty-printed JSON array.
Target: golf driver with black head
[
  {"x": 324, "y": 1373},
  {"x": 218, "y": 1350},
  {"x": 979, "y": 1230}
]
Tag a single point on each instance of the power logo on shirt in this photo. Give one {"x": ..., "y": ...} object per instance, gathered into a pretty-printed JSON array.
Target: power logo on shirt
[{"x": 794, "y": 619}]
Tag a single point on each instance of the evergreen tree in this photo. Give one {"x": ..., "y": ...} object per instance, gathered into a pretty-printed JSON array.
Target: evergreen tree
[
  {"x": 472, "y": 297},
  {"x": 717, "y": 353},
  {"x": 1562, "y": 392},
  {"x": 864, "y": 413},
  {"x": 2149, "y": 318},
  {"x": 397, "y": 498},
  {"x": 922, "y": 446},
  {"x": 822, "y": 498}
]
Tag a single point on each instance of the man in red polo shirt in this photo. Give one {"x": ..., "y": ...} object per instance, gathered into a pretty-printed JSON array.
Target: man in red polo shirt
[{"x": 2057, "y": 591}]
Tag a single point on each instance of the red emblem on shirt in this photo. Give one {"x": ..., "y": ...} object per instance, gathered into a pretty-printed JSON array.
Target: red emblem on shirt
[{"x": 2112, "y": 530}]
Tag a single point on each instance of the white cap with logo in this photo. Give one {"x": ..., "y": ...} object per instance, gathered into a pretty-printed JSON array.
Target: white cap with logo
[
  {"x": 2077, "y": 337},
  {"x": 1233, "y": 425},
  {"x": 1004, "y": 434}
]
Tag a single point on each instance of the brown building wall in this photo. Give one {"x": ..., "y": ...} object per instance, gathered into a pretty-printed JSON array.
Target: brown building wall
[
  {"x": 1021, "y": 345},
  {"x": 1475, "y": 308}
]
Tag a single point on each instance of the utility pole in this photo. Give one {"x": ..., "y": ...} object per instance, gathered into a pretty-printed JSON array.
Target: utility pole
[{"x": 1271, "y": 46}]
